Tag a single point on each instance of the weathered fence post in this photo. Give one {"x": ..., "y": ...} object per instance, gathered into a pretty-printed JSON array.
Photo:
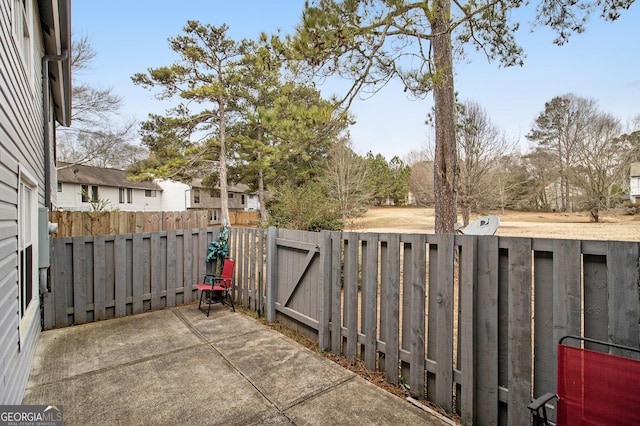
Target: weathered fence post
[
  {"x": 272, "y": 273},
  {"x": 324, "y": 291}
]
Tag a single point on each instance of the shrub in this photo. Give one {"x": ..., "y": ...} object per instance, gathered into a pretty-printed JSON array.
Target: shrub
[{"x": 303, "y": 207}]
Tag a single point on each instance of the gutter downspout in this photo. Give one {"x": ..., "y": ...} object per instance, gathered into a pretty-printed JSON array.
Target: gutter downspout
[{"x": 46, "y": 100}]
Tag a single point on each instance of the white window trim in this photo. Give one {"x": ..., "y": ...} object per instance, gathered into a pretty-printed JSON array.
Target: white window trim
[
  {"x": 22, "y": 32},
  {"x": 31, "y": 313}
]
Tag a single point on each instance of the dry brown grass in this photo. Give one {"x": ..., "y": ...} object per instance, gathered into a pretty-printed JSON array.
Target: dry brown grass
[{"x": 614, "y": 227}]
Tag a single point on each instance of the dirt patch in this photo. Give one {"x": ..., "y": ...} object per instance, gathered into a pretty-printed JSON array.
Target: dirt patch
[{"x": 614, "y": 227}]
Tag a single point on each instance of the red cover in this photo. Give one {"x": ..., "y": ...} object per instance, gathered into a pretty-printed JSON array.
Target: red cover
[{"x": 596, "y": 388}]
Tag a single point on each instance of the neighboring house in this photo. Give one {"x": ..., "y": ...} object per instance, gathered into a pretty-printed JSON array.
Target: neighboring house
[
  {"x": 175, "y": 195},
  {"x": 202, "y": 198},
  {"x": 634, "y": 191},
  {"x": 253, "y": 203},
  {"x": 35, "y": 93},
  {"x": 81, "y": 187},
  {"x": 554, "y": 198}
]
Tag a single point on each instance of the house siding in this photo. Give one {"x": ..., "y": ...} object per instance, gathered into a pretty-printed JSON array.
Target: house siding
[
  {"x": 70, "y": 198},
  {"x": 109, "y": 181},
  {"x": 634, "y": 184},
  {"x": 21, "y": 149}
]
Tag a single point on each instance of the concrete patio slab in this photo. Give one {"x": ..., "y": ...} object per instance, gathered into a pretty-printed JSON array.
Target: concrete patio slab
[
  {"x": 178, "y": 366},
  {"x": 281, "y": 369},
  {"x": 81, "y": 349},
  {"x": 357, "y": 402},
  {"x": 190, "y": 386}
]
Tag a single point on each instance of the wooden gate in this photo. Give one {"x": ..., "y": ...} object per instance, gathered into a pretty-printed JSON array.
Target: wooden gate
[{"x": 295, "y": 288}]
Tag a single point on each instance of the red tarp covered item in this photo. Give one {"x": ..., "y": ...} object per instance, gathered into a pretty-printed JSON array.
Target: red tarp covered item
[{"x": 596, "y": 388}]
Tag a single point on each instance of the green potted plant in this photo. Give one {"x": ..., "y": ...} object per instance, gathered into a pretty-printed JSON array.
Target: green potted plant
[{"x": 219, "y": 250}]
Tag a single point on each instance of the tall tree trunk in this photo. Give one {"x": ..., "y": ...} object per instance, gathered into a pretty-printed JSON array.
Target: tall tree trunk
[
  {"x": 567, "y": 194},
  {"x": 263, "y": 208},
  {"x": 446, "y": 167},
  {"x": 222, "y": 167}
]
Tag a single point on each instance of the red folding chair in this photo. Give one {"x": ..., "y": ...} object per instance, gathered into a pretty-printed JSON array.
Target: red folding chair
[
  {"x": 217, "y": 288},
  {"x": 594, "y": 387}
]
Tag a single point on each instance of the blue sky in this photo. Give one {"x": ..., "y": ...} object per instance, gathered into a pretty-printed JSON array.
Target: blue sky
[{"x": 603, "y": 64}]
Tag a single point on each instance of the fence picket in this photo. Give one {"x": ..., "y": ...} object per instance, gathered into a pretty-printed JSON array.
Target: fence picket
[
  {"x": 432, "y": 318},
  {"x": 324, "y": 292},
  {"x": 99, "y": 278},
  {"x": 80, "y": 290},
  {"x": 545, "y": 345},
  {"x": 336, "y": 293},
  {"x": 156, "y": 271},
  {"x": 444, "y": 314},
  {"x": 390, "y": 306},
  {"x": 418, "y": 313},
  {"x": 520, "y": 355},
  {"x": 120, "y": 251},
  {"x": 137, "y": 278},
  {"x": 624, "y": 310},
  {"x": 467, "y": 314},
  {"x": 60, "y": 279},
  {"x": 351, "y": 284},
  {"x": 172, "y": 260},
  {"x": 370, "y": 300},
  {"x": 486, "y": 330}
]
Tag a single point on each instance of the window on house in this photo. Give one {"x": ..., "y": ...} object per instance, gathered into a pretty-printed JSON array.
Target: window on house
[
  {"x": 121, "y": 193},
  {"x": 242, "y": 200},
  {"x": 89, "y": 193},
  {"x": 84, "y": 193},
  {"x": 230, "y": 195},
  {"x": 150, "y": 193},
  {"x": 25, "y": 229},
  {"x": 129, "y": 195},
  {"x": 196, "y": 196},
  {"x": 22, "y": 32},
  {"x": 215, "y": 193},
  {"x": 59, "y": 186}
]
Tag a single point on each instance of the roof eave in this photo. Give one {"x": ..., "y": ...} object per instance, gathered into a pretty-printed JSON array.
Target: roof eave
[{"x": 55, "y": 19}]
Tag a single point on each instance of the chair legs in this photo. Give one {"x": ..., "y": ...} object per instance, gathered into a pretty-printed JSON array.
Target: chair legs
[
  {"x": 228, "y": 296},
  {"x": 209, "y": 300}
]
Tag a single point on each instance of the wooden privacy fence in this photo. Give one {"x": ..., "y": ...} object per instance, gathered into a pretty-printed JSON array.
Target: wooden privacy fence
[
  {"x": 95, "y": 278},
  {"x": 471, "y": 323},
  {"x": 79, "y": 224}
]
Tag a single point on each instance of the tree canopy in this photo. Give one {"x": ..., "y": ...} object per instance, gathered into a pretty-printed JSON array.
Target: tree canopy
[
  {"x": 206, "y": 80},
  {"x": 371, "y": 42}
]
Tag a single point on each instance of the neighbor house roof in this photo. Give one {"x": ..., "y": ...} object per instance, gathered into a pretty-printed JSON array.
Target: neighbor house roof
[
  {"x": 90, "y": 175},
  {"x": 239, "y": 187}
]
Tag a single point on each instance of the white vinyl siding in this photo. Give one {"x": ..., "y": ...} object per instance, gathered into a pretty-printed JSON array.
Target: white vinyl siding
[
  {"x": 22, "y": 29},
  {"x": 21, "y": 149}
]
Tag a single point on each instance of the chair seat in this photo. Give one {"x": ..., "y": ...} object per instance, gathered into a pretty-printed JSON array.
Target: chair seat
[
  {"x": 207, "y": 287},
  {"x": 217, "y": 288}
]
